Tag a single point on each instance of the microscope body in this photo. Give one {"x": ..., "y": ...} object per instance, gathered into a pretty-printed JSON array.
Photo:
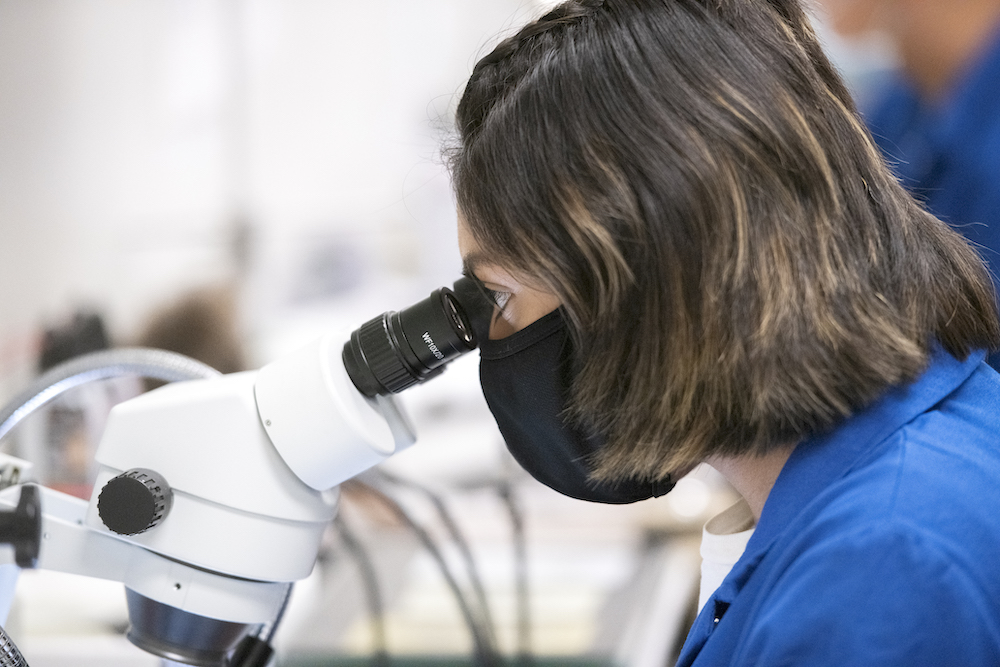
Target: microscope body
[
  {"x": 213, "y": 495},
  {"x": 247, "y": 466}
]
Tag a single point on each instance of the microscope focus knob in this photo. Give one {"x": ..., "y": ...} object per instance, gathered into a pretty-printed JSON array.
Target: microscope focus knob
[{"x": 134, "y": 501}]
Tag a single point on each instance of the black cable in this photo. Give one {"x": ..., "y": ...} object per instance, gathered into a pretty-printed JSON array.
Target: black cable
[
  {"x": 484, "y": 653},
  {"x": 524, "y": 651},
  {"x": 267, "y": 634},
  {"x": 461, "y": 542},
  {"x": 373, "y": 593},
  {"x": 251, "y": 652},
  {"x": 256, "y": 651}
]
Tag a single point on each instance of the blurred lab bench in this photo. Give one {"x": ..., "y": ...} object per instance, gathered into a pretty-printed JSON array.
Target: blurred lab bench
[{"x": 443, "y": 661}]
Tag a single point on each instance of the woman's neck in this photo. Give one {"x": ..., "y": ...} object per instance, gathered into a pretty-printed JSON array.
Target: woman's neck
[
  {"x": 937, "y": 42},
  {"x": 753, "y": 476}
]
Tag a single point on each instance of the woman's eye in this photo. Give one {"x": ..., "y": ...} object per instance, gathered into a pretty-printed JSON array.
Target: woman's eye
[
  {"x": 496, "y": 297},
  {"x": 500, "y": 299}
]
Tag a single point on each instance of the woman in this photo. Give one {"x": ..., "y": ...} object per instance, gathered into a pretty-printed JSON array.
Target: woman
[{"x": 697, "y": 255}]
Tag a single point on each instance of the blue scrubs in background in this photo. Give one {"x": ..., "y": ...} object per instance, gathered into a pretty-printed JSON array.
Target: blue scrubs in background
[{"x": 948, "y": 153}]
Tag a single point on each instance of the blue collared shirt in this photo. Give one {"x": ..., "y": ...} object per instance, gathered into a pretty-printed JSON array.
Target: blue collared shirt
[{"x": 880, "y": 541}]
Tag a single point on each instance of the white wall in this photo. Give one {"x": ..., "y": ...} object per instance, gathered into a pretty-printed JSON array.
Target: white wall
[{"x": 136, "y": 136}]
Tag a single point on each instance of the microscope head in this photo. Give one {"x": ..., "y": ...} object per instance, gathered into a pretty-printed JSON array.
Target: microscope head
[
  {"x": 201, "y": 518},
  {"x": 212, "y": 495},
  {"x": 261, "y": 454}
]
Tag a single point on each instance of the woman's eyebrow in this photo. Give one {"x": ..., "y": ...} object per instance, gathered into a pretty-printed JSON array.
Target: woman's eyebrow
[{"x": 472, "y": 261}]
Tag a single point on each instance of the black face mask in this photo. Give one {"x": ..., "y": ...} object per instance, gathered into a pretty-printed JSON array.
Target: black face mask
[{"x": 526, "y": 378}]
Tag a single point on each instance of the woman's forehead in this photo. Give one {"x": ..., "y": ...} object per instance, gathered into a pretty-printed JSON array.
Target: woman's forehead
[
  {"x": 467, "y": 244},
  {"x": 474, "y": 256}
]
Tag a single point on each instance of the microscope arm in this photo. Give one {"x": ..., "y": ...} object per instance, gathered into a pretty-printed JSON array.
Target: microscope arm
[{"x": 69, "y": 545}]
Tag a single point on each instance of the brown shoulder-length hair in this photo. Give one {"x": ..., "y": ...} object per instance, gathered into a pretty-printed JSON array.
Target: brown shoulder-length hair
[{"x": 738, "y": 266}]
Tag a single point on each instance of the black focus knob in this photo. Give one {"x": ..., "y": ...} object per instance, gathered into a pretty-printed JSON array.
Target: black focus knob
[
  {"x": 22, "y": 528},
  {"x": 134, "y": 501}
]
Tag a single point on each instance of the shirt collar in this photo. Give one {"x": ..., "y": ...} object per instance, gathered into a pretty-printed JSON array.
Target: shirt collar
[{"x": 818, "y": 462}]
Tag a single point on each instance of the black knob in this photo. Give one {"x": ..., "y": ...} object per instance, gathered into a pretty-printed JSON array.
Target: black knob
[
  {"x": 134, "y": 501},
  {"x": 22, "y": 528}
]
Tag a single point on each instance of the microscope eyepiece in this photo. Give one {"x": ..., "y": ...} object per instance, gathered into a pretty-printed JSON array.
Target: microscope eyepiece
[{"x": 397, "y": 350}]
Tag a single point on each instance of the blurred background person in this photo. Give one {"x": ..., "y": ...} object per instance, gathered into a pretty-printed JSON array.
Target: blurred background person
[
  {"x": 938, "y": 119},
  {"x": 201, "y": 324},
  {"x": 62, "y": 438}
]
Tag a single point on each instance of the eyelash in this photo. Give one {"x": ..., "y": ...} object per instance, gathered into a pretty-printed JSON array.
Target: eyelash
[{"x": 497, "y": 298}]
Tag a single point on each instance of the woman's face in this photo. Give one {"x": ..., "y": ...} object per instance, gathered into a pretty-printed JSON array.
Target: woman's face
[{"x": 518, "y": 303}]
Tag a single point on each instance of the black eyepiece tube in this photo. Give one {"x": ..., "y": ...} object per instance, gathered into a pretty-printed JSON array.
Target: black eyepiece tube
[{"x": 397, "y": 350}]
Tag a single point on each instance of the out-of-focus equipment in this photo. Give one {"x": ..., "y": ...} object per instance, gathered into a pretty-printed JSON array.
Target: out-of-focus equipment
[{"x": 213, "y": 492}]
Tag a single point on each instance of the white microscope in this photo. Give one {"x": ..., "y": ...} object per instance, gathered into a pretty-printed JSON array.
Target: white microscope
[{"x": 213, "y": 494}]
